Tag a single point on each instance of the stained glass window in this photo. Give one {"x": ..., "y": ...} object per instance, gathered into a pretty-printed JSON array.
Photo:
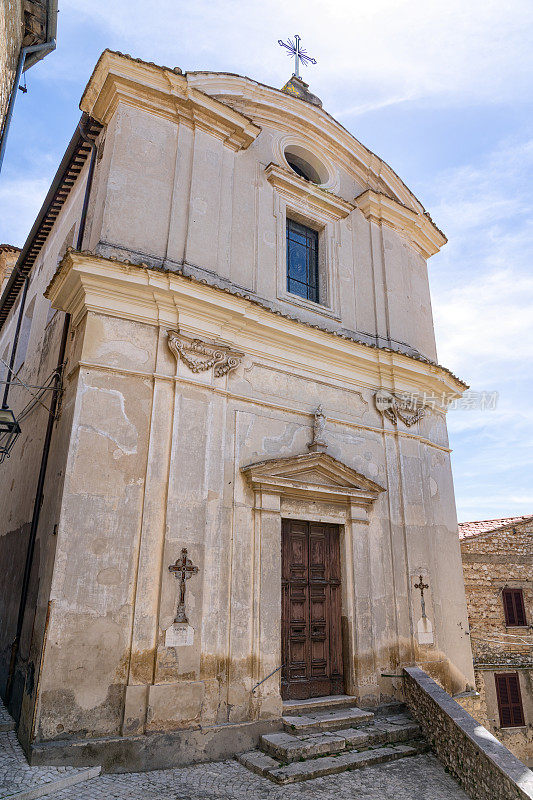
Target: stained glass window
[{"x": 302, "y": 260}]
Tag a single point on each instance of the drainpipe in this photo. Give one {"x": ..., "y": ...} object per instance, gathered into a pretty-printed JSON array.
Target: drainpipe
[
  {"x": 39, "y": 495},
  {"x": 39, "y": 50}
]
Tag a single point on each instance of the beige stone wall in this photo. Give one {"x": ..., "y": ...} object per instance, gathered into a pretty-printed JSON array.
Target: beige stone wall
[
  {"x": 11, "y": 35},
  {"x": 170, "y": 444},
  {"x": 148, "y": 453},
  {"x": 8, "y": 258},
  {"x": 36, "y": 359},
  {"x": 491, "y": 562},
  {"x": 214, "y": 211}
]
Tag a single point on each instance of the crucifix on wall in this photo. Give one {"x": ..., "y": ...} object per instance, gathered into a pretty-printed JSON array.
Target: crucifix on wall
[
  {"x": 421, "y": 585},
  {"x": 183, "y": 569}
]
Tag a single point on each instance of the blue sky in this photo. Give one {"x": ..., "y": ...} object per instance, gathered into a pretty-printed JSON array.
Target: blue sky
[{"x": 442, "y": 91}]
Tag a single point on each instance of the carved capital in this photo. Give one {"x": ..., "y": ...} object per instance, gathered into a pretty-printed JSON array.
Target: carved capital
[{"x": 200, "y": 356}]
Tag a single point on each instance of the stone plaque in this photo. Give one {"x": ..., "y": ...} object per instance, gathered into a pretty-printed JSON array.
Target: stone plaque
[
  {"x": 424, "y": 631},
  {"x": 180, "y": 634}
]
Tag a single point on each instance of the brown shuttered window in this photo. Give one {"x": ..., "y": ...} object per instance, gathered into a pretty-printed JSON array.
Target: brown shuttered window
[
  {"x": 513, "y": 604},
  {"x": 509, "y": 700}
]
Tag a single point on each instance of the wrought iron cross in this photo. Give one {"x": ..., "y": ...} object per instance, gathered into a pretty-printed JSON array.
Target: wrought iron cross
[
  {"x": 183, "y": 569},
  {"x": 294, "y": 49},
  {"x": 422, "y": 586}
]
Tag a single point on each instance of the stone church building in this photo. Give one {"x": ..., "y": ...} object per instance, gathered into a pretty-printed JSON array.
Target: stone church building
[{"x": 243, "y": 494}]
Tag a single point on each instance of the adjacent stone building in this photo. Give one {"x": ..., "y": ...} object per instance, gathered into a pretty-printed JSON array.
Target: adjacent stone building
[
  {"x": 8, "y": 257},
  {"x": 498, "y": 569},
  {"x": 23, "y": 24},
  {"x": 244, "y": 497}
]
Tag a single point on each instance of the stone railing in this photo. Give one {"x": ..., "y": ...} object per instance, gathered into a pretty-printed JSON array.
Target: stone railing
[{"x": 478, "y": 761}]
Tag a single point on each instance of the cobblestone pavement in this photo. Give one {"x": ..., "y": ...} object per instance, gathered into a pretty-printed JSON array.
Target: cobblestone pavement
[
  {"x": 16, "y": 776},
  {"x": 418, "y": 778},
  {"x": 6, "y": 722}
]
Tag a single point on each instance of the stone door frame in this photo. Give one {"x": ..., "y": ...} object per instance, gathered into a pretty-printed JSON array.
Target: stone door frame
[{"x": 317, "y": 488}]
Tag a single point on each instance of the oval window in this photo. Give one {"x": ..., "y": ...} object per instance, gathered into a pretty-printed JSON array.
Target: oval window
[{"x": 305, "y": 164}]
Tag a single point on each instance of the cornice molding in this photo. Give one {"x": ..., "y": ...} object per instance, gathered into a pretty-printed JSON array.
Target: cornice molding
[
  {"x": 418, "y": 228},
  {"x": 165, "y": 92},
  {"x": 87, "y": 282},
  {"x": 292, "y": 187},
  {"x": 316, "y": 475},
  {"x": 269, "y": 106}
]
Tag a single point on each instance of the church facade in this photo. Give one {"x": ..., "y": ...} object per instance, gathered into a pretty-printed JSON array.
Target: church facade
[{"x": 247, "y": 494}]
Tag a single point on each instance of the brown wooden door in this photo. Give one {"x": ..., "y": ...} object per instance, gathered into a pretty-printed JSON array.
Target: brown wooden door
[{"x": 311, "y": 611}]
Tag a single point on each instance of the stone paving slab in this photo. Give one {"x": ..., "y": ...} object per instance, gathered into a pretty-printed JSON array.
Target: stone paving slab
[
  {"x": 19, "y": 781},
  {"x": 417, "y": 778}
]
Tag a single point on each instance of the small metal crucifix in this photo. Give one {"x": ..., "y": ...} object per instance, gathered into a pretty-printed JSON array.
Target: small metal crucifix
[
  {"x": 294, "y": 49},
  {"x": 422, "y": 586},
  {"x": 183, "y": 569}
]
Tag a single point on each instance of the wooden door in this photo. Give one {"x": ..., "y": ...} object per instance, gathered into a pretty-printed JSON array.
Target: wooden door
[{"x": 311, "y": 611}]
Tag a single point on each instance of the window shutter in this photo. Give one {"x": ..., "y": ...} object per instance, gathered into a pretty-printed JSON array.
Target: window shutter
[
  {"x": 508, "y": 607},
  {"x": 519, "y": 606},
  {"x": 509, "y": 700},
  {"x": 513, "y": 604}
]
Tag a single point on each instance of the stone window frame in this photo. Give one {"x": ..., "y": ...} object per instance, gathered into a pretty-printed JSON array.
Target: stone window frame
[{"x": 312, "y": 206}]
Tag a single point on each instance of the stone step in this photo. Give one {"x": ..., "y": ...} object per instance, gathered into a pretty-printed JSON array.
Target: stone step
[
  {"x": 390, "y": 709},
  {"x": 329, "y": 765},
  {"x": 329, "y": 720},
  {"x": 380, "y": 733},
  {"x": 287, "y": 747},
  {"x": 294, "y": 707}
]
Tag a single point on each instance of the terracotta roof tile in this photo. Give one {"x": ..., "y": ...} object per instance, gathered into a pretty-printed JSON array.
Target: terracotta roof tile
[{"x": 469, "y": 529}]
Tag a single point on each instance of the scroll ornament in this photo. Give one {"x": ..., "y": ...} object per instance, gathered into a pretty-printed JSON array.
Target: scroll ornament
[
  {"x": 200, "y": 356},
  {"x": 396, "y": 406}
]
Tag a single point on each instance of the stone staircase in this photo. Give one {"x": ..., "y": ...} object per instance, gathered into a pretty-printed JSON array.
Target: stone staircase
[{"x": 329, "y": 735}]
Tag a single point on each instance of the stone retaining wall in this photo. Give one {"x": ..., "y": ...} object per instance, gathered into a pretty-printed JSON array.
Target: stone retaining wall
[{"x": 479, "y": 762}]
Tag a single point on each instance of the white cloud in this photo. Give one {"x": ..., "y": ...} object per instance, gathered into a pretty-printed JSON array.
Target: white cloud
[
  {"x": 20, "y": 201},
  {"x": 483, "y": 300},
  {"x": 487, "y": 321},
  {"x": 385, "y": 52}
]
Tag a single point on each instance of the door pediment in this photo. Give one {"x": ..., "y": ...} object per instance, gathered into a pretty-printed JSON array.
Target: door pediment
[{"x": 315, "y": 475}]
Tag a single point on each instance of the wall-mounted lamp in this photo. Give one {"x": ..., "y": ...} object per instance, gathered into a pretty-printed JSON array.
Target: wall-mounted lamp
[{"x": 9, "y": 431}]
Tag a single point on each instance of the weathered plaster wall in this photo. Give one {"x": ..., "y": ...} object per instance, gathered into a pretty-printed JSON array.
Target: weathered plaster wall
[
  {"x": 148, "y": 454},
  {"x": 491, "y": 562},
  {"x": 154, "y": 466},
  {"x": 36, "y": 359},
  {"x": 213, "y": 209}
]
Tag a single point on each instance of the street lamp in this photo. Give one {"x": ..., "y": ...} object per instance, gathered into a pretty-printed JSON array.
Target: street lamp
[{"x": 9, "y": 431}]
